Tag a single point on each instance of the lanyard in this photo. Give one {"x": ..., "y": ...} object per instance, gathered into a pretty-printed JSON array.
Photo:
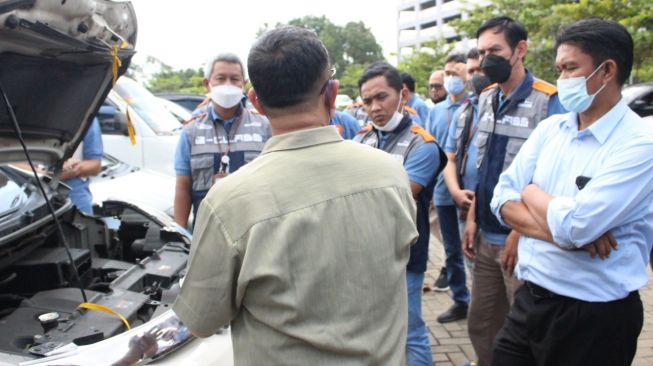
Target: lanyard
[{"x": 230, "y": 134}]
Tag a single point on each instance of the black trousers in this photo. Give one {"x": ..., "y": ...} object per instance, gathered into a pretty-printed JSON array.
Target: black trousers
[{"x": 546, "y": 329}]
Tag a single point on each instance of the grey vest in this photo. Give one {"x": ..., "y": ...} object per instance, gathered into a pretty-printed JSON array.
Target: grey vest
[
  {"x": 208, "y": 138},
  {"x": 517, "y": 123},
  {"x": 398, "y": 145},
  {"x": 466, "y": 111}
]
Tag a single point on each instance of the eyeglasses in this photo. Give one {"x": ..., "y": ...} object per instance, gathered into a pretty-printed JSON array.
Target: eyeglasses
[
  {"x": 436, "y": 86},
  {"x": 333, "y": 73}
]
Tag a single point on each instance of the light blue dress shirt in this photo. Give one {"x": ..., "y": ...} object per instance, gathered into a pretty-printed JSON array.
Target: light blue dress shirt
[{"x": 616, "y": 153}]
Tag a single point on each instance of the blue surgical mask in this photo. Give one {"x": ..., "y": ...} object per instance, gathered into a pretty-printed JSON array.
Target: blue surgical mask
[
  {"x": 573, "y": 94},
  {"x": 454, "y": 85}
]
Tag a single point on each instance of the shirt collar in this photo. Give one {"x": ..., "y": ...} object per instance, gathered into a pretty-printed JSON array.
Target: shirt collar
[
  {"x": 522, "y": 91},
  {"x": 302, "y": 139},
  {"x": 603, "y": 127},
  {"x": 217, "y": 117}
]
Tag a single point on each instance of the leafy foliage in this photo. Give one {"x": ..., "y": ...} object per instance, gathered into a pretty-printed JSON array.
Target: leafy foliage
[
  {"x": 422, "y": 63},
  {"x": 545, "y": 18}
]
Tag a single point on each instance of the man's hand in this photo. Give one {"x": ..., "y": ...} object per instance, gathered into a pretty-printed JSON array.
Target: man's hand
[
  {"x": 469, "y": 239},
  {"x": 71, "y": 168},
  {"x": 602, "y": 246},
  {"x": 463, "y": 199},
  {"x": 509, "y": 255}
]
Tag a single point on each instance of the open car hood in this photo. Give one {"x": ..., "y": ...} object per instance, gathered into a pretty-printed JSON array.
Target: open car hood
[{"x": 57, "y": 64}]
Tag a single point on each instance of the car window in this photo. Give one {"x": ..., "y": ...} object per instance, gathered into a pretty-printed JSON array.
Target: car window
[
  {"x": 147, "y": 106},
  {"x": 11, "y": 195}
]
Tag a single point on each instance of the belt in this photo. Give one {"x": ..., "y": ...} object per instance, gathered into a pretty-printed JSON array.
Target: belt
[{"x": 540, "y": 292}]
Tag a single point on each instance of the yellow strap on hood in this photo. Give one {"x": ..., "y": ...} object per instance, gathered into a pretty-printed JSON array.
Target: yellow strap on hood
[{"x": 104, "y": 309}]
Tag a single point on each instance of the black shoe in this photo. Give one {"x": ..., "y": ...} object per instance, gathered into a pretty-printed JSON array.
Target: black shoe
[
  {"x": 441, "y": 284},
  {"x": 457, "y": 311}
]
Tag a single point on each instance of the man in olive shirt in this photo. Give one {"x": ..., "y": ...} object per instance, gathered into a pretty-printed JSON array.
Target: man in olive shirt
[{"x": 303, "y": 250}]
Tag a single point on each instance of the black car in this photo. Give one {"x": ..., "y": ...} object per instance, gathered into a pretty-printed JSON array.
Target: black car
[
  {"x": 639, "y": 98},
  {"x": 186, "y": 100}
]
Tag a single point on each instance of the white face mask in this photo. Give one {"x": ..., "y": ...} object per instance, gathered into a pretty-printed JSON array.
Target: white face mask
[
  {"x": 227, "y": 96},
  {"x": 393, "y": 122}
]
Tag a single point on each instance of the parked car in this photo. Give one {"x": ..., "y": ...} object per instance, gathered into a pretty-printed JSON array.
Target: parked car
[
  {"x": 182, "y": 114},
  {"x": 342, "y": 101},
  {"x": 186, "y": 100},
  {"x": 79, "y": 289},
  {"x": 156, "y": 130},
  {"x": 123, "y": 182},
  {"x": 639, "y": 98}
]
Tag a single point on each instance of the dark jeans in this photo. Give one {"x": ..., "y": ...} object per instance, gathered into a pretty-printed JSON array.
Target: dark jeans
[
  {"x": 546, "y": 329},
  {"x": 448, "y": 216}
]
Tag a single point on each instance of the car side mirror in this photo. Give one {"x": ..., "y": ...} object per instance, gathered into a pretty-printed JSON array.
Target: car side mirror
[{"x": 120, "y": 123}]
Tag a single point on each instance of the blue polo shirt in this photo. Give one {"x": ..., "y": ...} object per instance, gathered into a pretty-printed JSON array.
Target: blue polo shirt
[
  {"x": 348, "y": 125},
  {"x": 438, "y": 123},
  {"x": 92, "y": 149},
  {"x": 422, "y": 109}
]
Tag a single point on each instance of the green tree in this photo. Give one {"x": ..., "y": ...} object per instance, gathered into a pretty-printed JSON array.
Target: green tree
[
  {"x": 422, "y": 63},
  {"x": 349, "y": 80},
  {"x": 179, "y": 81},
  {"x": 544, "y": 18},
  {"x": 353, "y": 44}
]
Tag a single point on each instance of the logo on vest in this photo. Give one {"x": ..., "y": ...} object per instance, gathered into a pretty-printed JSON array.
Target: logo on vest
[
  {"x": 202, "y": 126},
  {"x": 514, "y": 121},
  {"x": 403, "y": 143},
  {"x": 525, "y": 104},
  {"x": 200, "y": 140},
  {"x": 398, "y": 157},
  {"x": 253, "y": 124}
]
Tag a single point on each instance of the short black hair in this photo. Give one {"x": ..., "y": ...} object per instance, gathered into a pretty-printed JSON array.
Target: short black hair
[
  {"x": 602, "y": 40},
  {"x": 456, "y": 58},
  {"x": 382, "y": 68},
  {"x": 287, "y": 66},
  {"x": 473, "y": 54},
  {"x": 513, "y": 31},
  {"x": 408, "y": 80}
]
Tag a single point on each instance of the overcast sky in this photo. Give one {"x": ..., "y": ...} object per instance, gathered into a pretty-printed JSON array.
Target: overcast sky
[{"x": 186, "y": 33}]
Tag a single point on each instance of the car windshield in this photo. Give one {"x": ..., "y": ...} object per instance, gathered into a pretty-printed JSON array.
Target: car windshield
[
  {"x": 633, "y": 92},
  {"x": 160, "y": 120},
  {"x": 12, "y": 195}
]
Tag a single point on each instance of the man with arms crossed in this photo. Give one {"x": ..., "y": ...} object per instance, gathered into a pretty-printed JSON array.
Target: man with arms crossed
[{"x": 580, "y": 194}]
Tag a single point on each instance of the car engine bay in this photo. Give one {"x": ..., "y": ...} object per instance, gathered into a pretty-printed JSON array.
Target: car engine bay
[{"x": 129, "y": 262}]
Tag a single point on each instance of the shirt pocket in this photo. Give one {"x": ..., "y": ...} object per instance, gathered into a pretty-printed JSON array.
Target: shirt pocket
[{"x": 202, "y": 170}]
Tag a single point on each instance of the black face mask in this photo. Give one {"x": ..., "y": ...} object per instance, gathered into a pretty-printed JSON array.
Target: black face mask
[
  {"x": 479, "y": 82},
  {"x": 436, "y": 101},
  {"x": 496, "y": 68}
]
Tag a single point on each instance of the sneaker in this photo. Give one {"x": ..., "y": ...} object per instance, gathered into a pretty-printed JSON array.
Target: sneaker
[
  {"x": 441, "y": 284},
  {"x": 457, "y": 311}
]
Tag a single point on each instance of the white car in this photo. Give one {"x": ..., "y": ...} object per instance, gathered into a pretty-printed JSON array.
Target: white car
[
  {"x": 182, "y": 114},
  {"x": 78, "y": 289},
  {"x": 123, "y": 182},
  {"x": 342, "y": 101},
  {"x": 155, "y": 130}
]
